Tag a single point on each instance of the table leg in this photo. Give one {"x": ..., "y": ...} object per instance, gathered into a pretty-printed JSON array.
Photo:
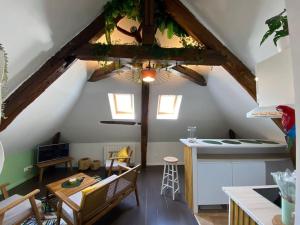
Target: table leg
[
  {"x": 70, "y": 164},
  {"x": 41, "y": 173}
]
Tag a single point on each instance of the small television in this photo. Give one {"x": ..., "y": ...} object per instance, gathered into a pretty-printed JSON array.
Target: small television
[{"x": 50, "y": 152}]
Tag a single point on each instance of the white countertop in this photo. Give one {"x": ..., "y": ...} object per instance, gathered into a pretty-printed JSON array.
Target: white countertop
[
  {"x": 199, "y": 143},
  {"x": 256, "y": 206}
]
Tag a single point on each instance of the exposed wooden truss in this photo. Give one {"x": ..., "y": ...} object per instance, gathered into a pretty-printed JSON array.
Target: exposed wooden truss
[
  {"x": 185, "y": 55},
  {"x": 148, "y": 23},
  {"x": 191, "y": 75},
  {"x": 120, "y": 122},
  {"x": 200, "y": 33},
  {"x": 144, "y": 123},
  {"x": 34, "y": 86},
  {"x": 103, "y": 72}
]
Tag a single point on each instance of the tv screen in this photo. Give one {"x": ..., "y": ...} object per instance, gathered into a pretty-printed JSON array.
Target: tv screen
[{"x": 50, "y": 152}]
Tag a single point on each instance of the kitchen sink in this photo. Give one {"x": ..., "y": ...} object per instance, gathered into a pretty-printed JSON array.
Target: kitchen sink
[{"x": 272, "y": 194}]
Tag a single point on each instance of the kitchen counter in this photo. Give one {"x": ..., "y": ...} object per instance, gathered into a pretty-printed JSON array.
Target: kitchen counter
[
  {"x": 232, "y": 143},
  {"x": 258, "y": 208},
  {"x": 229, "y": 162}
]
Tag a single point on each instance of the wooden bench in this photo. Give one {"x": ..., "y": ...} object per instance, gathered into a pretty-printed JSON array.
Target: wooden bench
[
  {"x": 87, "y": 206},
  {"x": 43, "y": 165}
]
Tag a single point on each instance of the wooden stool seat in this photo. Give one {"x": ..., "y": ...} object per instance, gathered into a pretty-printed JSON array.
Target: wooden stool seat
[
  {"x": 170, "y": 159},
  {"x": 170, "y": 178}
]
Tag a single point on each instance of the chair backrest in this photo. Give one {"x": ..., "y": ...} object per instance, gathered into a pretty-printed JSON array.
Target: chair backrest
[
  {"x": 104, "y": 195},
  {"x": 116, "y": 147}
]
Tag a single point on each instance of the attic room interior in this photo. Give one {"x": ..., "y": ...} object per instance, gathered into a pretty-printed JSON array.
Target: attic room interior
[{"x": 141, "y": 112}]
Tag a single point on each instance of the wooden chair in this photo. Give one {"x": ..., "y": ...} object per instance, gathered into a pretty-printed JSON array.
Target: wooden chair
[
  {"x": 113, "y": 165},
  {"x": 88, "y": 208},
  {"x": 16, "y": 209}
]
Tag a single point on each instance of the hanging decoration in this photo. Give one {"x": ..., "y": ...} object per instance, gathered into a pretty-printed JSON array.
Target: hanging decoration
[
  {"x": 148, "y": 74},
  {"x": 3, "y": 79}
]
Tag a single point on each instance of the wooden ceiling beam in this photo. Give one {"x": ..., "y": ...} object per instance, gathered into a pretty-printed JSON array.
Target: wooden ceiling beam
[
  {"x": 144, "y": 122},
  {"x": 190, "y": 74},
  {"x": 145, "y": 52},
  {"x": 103, "y": 73},
  {"x": 120, "y": 123},
  {"x": 148, "y": 23},
  {"x": 200, "y": 33},
  {"x": 37, "y": 83}
]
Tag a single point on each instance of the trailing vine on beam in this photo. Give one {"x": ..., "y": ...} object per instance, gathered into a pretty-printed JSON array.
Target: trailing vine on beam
[{"x": 134, "y": 9}]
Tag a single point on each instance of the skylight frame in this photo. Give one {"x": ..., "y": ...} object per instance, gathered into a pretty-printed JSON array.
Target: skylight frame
[
  {"x": 118, "y": 114},
  {"x": 174, "y": 112}
]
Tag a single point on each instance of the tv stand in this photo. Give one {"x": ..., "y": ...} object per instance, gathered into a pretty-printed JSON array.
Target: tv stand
[{"x": 43, "y": 165}]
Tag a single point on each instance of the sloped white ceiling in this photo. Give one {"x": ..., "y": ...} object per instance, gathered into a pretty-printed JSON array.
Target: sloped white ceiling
[
  {"x": 235, "y": 102},
  {"x": 42, "y": 119},
  {"x": 239, "y": 24},
  {"x": 32, "y": 31}
]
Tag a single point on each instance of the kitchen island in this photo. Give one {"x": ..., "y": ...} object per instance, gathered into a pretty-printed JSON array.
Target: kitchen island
[
  {"x": 248, "y": 207},
  {"x": 211, "y": 164}
]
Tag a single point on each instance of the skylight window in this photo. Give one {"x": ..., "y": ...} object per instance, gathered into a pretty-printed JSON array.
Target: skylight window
[
  {"x": 121, "y": 106},
  {"x": 168, "y": 107}
]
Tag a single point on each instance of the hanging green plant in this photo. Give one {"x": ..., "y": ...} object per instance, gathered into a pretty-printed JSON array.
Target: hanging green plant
[
  {"x": 3, "y": 78},
  {"x": 277, "y": 25},
  {"x": 134, "y": 9}
]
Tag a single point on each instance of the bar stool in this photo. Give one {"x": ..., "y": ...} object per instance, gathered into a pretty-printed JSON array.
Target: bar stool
[{"x": 170, "y": 176}]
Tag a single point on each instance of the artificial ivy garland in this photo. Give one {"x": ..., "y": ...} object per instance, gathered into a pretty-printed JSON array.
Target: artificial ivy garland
[{"x": 3, "y": 78}]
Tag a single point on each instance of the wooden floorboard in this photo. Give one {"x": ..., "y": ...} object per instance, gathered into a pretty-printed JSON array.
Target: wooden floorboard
[
  {"x": 212, "y": 217},
  {"x": 154, "y": 209}
]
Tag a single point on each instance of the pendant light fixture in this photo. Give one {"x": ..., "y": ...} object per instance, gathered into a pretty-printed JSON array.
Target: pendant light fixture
[{"x": 148, "y": 74}]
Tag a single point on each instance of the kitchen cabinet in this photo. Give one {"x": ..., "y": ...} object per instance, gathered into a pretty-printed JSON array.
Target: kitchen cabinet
[
  {"x": 212, "y": 177},
  {"x": 248, "y": 173}
]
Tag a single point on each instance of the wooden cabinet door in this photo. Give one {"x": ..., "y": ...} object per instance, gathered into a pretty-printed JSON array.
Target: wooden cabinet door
[{"x": 212, "y": 176}]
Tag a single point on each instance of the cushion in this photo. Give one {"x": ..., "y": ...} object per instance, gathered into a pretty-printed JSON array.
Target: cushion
[
  {"x": 115, "y": 165},
  {"x": 19, "y": 212},
  {"x": 88, "y": 190},
  {"x": 68, "y": 212},
  {"x": 123, "y": 152},
  {"x": 106, "y": 181}
]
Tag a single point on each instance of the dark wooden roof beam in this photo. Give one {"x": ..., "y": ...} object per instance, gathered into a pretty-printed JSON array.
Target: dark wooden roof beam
[
  {"x": 182, "y": 55},
  {"x": 190, "y": 74}
]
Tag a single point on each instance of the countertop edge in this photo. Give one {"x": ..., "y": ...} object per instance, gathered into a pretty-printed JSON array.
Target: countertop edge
[{"x": 268, "y": 205}]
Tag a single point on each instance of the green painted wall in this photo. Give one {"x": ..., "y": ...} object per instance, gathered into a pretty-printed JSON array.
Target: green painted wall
[{"x": 13, "y": 170}]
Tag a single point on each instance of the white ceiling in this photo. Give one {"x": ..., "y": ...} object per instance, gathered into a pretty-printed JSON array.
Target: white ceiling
[
  {"x": 34, "y": 30},
  {"x": 239, "y": 24}
]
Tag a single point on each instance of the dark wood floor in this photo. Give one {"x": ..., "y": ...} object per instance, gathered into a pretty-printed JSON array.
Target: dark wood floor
[{"x": 154, "y": 208}]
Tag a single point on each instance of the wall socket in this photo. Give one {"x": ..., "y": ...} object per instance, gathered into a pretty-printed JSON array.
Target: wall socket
[{"x": 28, "y": 168}]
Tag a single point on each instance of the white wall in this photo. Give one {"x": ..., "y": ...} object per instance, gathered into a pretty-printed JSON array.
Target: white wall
[
  {"x": 42, "y": 119},
  {"x": 293, "y": 8},
  {"x": 235, "y": 102},
  {"x": 32, "y": 31},
  {"x": 155, "y": 153},
  {"x": 198, "y": 108}
]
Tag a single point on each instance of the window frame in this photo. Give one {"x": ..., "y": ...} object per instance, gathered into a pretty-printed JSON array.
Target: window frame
[
  {"x": 160, "y": 115},
  {"x": 114, "y": 109}
]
